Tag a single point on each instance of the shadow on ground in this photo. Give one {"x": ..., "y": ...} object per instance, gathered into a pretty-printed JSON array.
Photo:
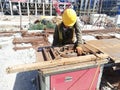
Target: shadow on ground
[{"x": 25, "y": 81}]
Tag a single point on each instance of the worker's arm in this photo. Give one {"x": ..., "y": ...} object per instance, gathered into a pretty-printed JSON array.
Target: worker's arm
[
  {"x": 78, "y": 32},
  {"x": 78, "y": 37}
]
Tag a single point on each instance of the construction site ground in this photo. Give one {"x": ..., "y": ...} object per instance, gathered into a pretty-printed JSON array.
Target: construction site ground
[{"x": 10, "y": 56}]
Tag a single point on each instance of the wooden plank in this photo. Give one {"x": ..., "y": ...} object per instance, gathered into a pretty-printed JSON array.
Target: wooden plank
[
  {"x": 108, "y": 46},
  {"x": 46, "y": 54},
  {"x": 72, "y": 67},
  {"x": 21, "y": 48},
  {"x": 6, "y": 34},
  {"x": 39, "y": 56},
  {"x": 28, "y": 40},
  {"x": 53, "y": 63},
  {"x": 91, "y": 48}
]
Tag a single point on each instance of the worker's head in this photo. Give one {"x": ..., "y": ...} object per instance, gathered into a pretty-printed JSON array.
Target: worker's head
[{"x": 69, "y": 17}]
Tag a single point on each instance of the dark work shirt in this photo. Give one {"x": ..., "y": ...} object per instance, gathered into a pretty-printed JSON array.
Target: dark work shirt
[{"x": 63, "y": 35}]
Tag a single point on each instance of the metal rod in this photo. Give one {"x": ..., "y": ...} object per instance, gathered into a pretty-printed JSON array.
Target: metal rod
[
  {"x": 81, "y": 5},
  {"x": 43, "y": 9},
  {"x": 89, "y": 8},
  {"x": 20, "y": 16},
  {"x": 50, "y": 9},
  {"x": 1, "y": 6},
  {"x": 28, "y": 10},
  {"x": 86, "y": 4},
  {"x": 100, "y": 6},
  {"x": 11, "y": 8},
  {"x": 35, "y": 8},
  {"x": 94, "y": 6}
]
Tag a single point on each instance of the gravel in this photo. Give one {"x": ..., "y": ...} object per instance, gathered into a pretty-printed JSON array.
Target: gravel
[{"x": 9, "y": 57}]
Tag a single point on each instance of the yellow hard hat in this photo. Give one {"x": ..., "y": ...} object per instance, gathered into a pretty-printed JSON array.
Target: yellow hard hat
[{"x": 69, "y": 17}]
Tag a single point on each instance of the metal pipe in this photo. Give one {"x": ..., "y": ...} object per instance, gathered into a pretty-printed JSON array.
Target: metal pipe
[
  {"x": 50, "y": 9},
  {"x": 89, "y": 8},
  {"x": 1, "y": 6},
  {"x": 94, "y": 5},
  {"x": 43, "y": 9},
  {"x": 35, "y": 8},
  {"x": 20, "y": 16},
  {"x": 11, "y": 8},
  {"x": 81, "y": 5},
  {"x": 86, "y": 4},
  {"x": 28, "y": 10}
]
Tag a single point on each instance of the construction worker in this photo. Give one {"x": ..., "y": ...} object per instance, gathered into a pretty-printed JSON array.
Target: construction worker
[{"x": 67, "y": 30}]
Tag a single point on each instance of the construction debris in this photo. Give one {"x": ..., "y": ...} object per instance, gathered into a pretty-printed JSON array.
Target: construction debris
[{"x": 36, "y": 39}]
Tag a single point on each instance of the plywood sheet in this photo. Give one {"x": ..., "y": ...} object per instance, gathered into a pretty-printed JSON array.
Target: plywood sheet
[{"x": 108, "y": 46}]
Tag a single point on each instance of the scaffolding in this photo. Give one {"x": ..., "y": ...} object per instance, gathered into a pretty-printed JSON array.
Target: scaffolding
[
  {"x": 109, "y": 7},
  {"x": 46, "y": 7}
]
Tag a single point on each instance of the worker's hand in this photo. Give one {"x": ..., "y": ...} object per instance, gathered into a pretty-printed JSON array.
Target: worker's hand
[{"x": 79, "y": 50}]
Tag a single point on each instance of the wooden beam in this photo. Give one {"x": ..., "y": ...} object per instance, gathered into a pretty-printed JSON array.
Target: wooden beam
[
  {"x": 72, "y": 67},
  {"x": 53, "y": 63},
  {"x": 10, "y": 31},
  {"x": 94, "y": 31},
  {"x": 28, "y": 40},
  {"x": 39, "y": 56},
  {"x": 21, "y": 48}
]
